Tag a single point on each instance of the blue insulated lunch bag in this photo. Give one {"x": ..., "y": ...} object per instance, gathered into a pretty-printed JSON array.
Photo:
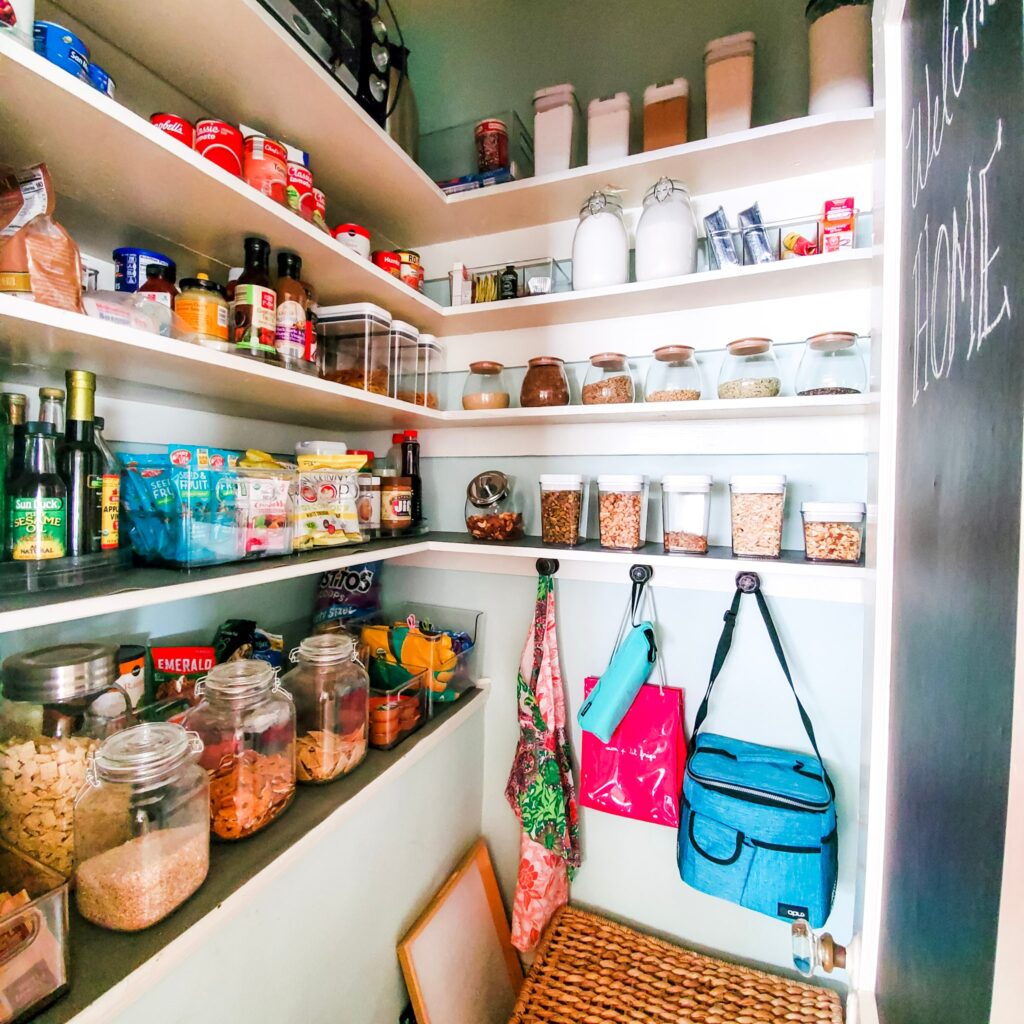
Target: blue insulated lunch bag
[{"x": 758, "y": 824}]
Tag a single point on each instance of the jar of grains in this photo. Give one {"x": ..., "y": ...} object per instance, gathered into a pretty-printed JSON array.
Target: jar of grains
[
  {"x": 757, "y": 504},
  {"x": 749, "y": 370},
  {"x": 686, "y": 513},
  {"x": 831, "y": 365},
  {"x": 622, "y": 508},
  {"x": 609, "y": 380},
  {"x": 247, "y": 723},
  {"x": 47, "y": 734},
  {"x": 330, "y": 689},
  {"x": 833, "y": 530},
  {"x": 492, "y": 510},
  {"x": 142, "y": 827},
  {"x": 561, "y": 508},
  {"x": 673, "y": 376},
  {"x": 485, "y": 387},
  {"x": 545, "y": 383}
]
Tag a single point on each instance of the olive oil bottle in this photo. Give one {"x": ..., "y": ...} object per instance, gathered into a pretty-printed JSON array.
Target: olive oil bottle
[{"x": 81, "y": 465}]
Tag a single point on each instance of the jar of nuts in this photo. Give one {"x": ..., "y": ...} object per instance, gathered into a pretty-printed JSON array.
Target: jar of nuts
[
  {"x": 353, "y": 346},
  {"x": 609, "y": 380},
  {"x": 492, "y": 510},
  {"x": 833, "y": 530},
  {"x": 622, "y": 508},
  {"x": 673, "y": 376},
  {"x": 749, "y": 370},
  {"x": 757, "y": 504},
  {"x": 686, "y": 512},
  {"x": 561, "y": 508}
]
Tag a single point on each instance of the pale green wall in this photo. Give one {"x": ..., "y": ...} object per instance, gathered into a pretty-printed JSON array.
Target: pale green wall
[{"x": 471, "y": 58}]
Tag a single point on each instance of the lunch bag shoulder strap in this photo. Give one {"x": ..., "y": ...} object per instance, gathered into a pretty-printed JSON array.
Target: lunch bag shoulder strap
[{"x": 722, "y": 652}]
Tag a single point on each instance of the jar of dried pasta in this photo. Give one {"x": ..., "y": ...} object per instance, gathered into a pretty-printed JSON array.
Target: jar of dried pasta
[{"x": 757, "y": 504}]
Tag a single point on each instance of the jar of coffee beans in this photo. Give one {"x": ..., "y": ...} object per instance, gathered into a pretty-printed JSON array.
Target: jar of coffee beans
[{"x": 832, "y": 364}]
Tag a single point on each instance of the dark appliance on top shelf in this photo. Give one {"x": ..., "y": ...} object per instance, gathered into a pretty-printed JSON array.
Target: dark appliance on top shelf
[{"x": 349, "y": 38}]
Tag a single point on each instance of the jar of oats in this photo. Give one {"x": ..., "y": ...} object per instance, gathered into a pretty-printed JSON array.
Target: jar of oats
[
  {"x": 561, "y": 508},
  {"x": 757, "y": 504},
  {"x": 833, "y": 530},
  {"x": 673, "y": 375},
  {"x": 749, "y": 370},
  {"x": 622, "y": 508}
]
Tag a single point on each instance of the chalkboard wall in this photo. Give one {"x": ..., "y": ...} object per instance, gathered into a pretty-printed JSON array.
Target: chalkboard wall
[{"x": 961, "y": 398}]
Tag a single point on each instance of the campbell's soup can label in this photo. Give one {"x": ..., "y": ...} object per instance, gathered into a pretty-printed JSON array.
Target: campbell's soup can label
[
  {"x": 388, "y": 261},
  {"x": 265, "y": 167},
  {"x": 220, "y": 142},
  {"x": 320, "y": 209},
  {"x": 175, "y": 126},
  {"x": 300, "y": 190}
]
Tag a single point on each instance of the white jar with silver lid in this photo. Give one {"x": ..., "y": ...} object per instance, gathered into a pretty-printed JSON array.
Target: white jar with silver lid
[
  {"x": 600, "y": 247},
  {"x": 666, "y": 234}
]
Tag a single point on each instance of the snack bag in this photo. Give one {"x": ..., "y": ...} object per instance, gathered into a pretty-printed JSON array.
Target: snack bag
[
  {"x": 347, "y": 595},
  {"x": 176, "y": 670}
]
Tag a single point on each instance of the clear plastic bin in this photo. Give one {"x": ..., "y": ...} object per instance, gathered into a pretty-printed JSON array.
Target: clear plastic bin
[
  {"x": 562, "y": 508},
  {"x": 403, "y": 342},
  {"x": 622, "y": 511},
  {"x": 757, "y": 506},
  {"x": 353, "y": 346},
  {"x": 833, "y": 530},
  {"x": 686, "y": 513},
  {"x": 450, "y": 153},
  {"x": 419, "y": 383}
]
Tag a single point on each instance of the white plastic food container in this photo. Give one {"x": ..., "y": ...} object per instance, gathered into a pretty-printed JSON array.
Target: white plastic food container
[
  {"x": 600, "y": 247},
  {"x": 833, "y": 530},
  {"x": 840, "y": 56},
  {"x": 555, "y": 115},
  {"x": 729, "y": 83},
  {"x": 666, "y": 114},
  {"x": 563, "y": 508},
  {"x": 756, "y": 507},
  {"x": 608, "y": 129},
  {"x": 686, "y": 513},
  {"x": 666, "y": 234},
  {"x": 622, "y": 511}
]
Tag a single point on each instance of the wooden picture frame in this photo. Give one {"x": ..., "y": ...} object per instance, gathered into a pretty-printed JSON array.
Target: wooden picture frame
[{"x": 457, "y": 959}]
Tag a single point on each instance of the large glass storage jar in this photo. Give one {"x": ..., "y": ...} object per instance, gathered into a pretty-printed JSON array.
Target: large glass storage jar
[
  {"x": 756, "y": 507},
  {"x": 142, "y": 827},
  {"x": 622, "y": 511},
  {"x": 666, "y": 234},
  {"x": 403, "y": 342},
  {"x": 833, "y": 530},
  {"x": 247, "y": 724},
  {"x": 353, "y": 346},
  {"x": 673, "y": 376},
  {"x": 831, "y": 364},
  {"x": 47, "y": 733},
  {"x": 600, "y": 247},
  {"x": 609, "y": 380},
  {"x": 545, "y": 383},
  {"x": 485, "y": 387},
  {"x": 749, "y": 370},
  {"x": 493, "y": 511},
  {"x": 561, "y": 508},
  {"x": 330, "y": 689},
  {"x": 686, "y": 513}
]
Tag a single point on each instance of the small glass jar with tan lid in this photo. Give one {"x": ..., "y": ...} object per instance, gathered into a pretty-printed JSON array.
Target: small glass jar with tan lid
[
  {"x": 609, "y": 380},
  {"x": 832, "y": 365},
  {"x": 486, "y": 387},
  {"x": 545, "y": 383},
  {"x": 749, "y": 370},
  {"x": 673, "y": 376}
]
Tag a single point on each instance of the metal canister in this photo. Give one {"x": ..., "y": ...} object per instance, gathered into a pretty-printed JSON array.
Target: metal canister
[
  {"x": 176, "y": 126},
  {"x": 410, "y": 269},
  {"x": 265, "y": 166},
  {"x": 220, "y": 142},
  {"x": 389, "y": 261}
]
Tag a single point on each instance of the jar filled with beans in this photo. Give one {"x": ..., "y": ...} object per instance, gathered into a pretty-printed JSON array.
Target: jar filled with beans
[
  {"x": 673, "y": 376},
  {"x": 561, "y": 508},
  {"x": 609, "y": 380},
  {"x": 622, "y": 508},
  {"x": 749, "y": 370},
  {"x": 833, "y": 530},
  {"x": 757, "y": 504}
]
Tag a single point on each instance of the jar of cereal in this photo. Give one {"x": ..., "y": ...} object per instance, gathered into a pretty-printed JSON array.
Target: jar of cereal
[
  {"x": 757, "y": 504},
  {"x": 622, "y": 511}
]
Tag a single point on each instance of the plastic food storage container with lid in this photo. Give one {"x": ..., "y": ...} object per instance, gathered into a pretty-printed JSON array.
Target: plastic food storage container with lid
[
  {"x": 609, "y": 380},
  {"x": 353, "y": 346},
  {"x": 831, "y": 364},
  {"x": 486, "y": 387},
  {"x": 403, "y": 340},
  {"x": 839, "y": 51},
  {"x": 330, "y": 689},
  {"x": 666, "y": 234},
  {"x": 142, "y": 827},
  {"x": 48, "y": 730},
  {"x": 608, "y": 129},
  {"x": 493, "y": 511},
  {"x": 555, "y": 115},
  {"x": 545, "y": 383},
  {"x": 600, "y": 246},
  {"x": 686, "y": 513},
  {"x": 756, "y": 513},
  {"x": 562, "y": 502},
  {"x": 622, "y": 511},
  {"x": 729, "y": 83},
  {"x": 666, "y": 114},
  {"x": 246, "y": 721},
  {"x": 833, "y": 530},
  {"x": 418, "y": 381},
  {"x": 673, "y": 375},
  {"x": 749, "y": 370}
]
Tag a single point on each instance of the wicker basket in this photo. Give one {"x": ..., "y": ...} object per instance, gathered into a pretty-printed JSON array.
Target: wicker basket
[{"x": 592, "y": 971}]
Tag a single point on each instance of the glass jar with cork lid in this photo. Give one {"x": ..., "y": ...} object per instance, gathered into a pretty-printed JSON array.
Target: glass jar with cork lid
[
  {"x": 485, "y": 387},
  {"x": 749, "y": 370},
  {"x": 609, "y": 380},
  {"x": 831, "y": 365},
  {"x": 673, "y": 376}
]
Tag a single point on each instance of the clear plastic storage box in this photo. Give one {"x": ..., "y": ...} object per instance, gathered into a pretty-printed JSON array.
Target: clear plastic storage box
[{"x": 353, "y": 346}]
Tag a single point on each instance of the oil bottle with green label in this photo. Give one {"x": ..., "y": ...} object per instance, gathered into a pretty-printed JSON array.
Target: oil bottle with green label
[{"x": 38, "y": 499}]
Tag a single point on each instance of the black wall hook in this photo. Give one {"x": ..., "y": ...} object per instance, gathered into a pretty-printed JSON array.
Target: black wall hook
[
  {"x": 547, "y": 566},
  {"x": 748, "y": 582},
  {"x": 641, "y": 573}
]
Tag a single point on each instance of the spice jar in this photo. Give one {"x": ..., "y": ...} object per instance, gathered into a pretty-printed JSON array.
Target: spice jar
[
  {"x": 545, "y": 383},
  {"x": 492, "y": 511},
  {"x": 561, "y": 508},
  {"x": 757, "y": 504},
  {"x": 48, "y": 729},
  {"x": 666, "y": 234},
  {"x": 330, "y": 689},
  {"x": 485, "y": 387},
  {"x": 609, "y": 380},
  {"x": 673, "y": 376},
  {"x": 600, "y": 247},
  {"x": 686, "y": 513},
  {"x": 622, "y": 508},
  {"x": 831, "y": 365},
  {"x": 491, "y": 137},
  {"x": 142, "y": 827},
  {"x": 352, "y": 346},
  {"x": 749, "y": 370},
  {"x": 247, "y": 724},
  {"x": 833, "y": 530},
  {"x": 203, "y": 306}
]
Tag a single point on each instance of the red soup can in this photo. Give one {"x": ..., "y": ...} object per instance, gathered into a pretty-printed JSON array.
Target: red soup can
[
  {"x": 175, "y": 126},
  {"x": 388, "y": 261},
  {"x": 300, "y": 189},
  {"x": 220, "y": 142},
  {"x": 320, "y": 209},
  {"x": 265, "y": 167}
]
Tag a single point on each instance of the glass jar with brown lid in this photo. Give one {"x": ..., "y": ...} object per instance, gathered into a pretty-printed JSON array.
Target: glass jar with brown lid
[
  {"x": 486, "y": 387},
  {"x": 609, "y": 380},
  {"x": 831, "y": 365},
  {"x": 545, "y": 383},
  {"x": 750, "y": 370},
  {"x": 673, "y": 376}
]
